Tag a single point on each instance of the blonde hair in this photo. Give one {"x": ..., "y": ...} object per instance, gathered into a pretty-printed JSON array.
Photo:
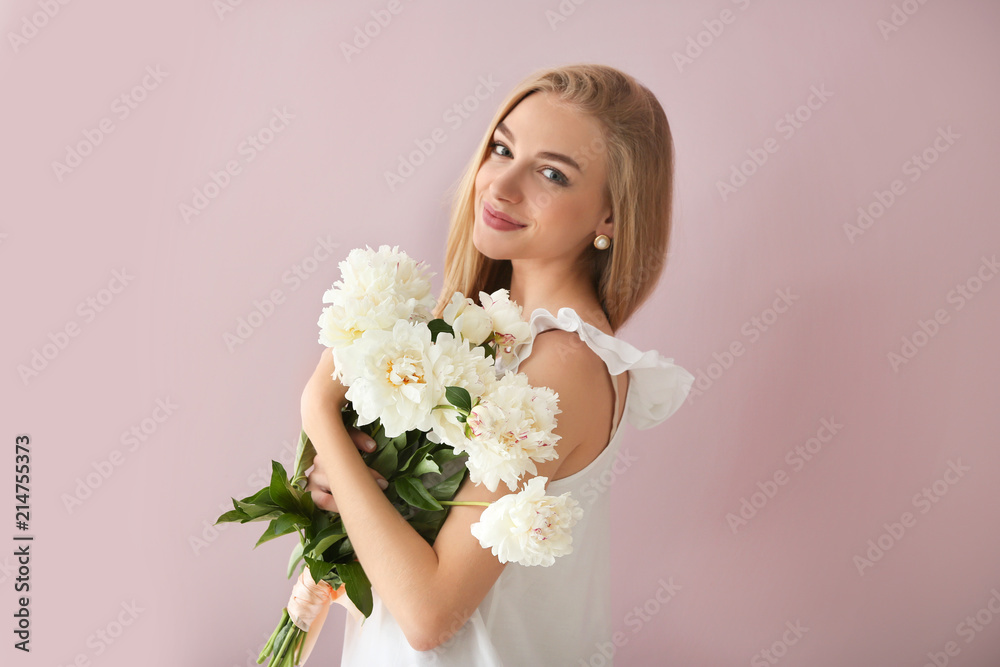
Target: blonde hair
[{"x": 640, "y": 164}]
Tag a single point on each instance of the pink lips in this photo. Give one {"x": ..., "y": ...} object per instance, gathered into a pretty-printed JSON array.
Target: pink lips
[{"x": 497, "y": 220}]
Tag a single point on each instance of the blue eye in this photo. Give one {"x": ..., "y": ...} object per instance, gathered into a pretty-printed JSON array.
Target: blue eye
[
  {"x": 495, "y": 144},
  {"x": 559, "y": 178}
]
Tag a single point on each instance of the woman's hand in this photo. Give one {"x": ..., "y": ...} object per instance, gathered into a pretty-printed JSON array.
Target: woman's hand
[
  {"x": 319, "y": 486},
  {"x": 323, "y": 390},
  {"x": 322, "y": 400}
]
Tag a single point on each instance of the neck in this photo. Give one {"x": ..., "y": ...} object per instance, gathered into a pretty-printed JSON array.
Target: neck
[{"x": 550, "y": 284}]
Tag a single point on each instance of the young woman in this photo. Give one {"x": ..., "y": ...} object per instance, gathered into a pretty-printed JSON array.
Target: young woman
[{"x": 567, "y": 203}]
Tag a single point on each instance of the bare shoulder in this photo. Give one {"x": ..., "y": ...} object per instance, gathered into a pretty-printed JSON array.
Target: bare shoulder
[
  {"x": 562, "y": 355},
  {"x": 561, "y": 361}
]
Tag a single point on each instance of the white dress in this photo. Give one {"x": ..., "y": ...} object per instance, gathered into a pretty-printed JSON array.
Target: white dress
[{"x": 545, "y": 616}]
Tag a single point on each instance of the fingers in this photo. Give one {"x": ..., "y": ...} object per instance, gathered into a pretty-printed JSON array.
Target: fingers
[
  {"x": 379, "y": 479},
  {"x": 362, "y": 441},
  {"x": 323, "y": 500},
  {"x": 318, "y": 481},
  {"x": 319, "y": 489}
]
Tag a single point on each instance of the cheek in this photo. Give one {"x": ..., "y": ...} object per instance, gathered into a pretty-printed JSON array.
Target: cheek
[
  {"x": 557, "y": 209},
  {"x": 484, "y": 177}
]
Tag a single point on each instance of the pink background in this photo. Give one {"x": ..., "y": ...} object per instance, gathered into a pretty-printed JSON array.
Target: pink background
[{"x": 202, "y": 597}]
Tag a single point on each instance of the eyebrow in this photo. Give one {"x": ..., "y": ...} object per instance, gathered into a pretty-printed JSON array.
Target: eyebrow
[{"x": 548, "y": 155}]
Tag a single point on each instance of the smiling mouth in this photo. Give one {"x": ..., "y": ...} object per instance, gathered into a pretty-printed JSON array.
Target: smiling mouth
[{"x": 497, "y": 220}]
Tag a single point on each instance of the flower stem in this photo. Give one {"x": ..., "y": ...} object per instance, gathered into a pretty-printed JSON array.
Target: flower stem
[
  {"x": 463, "y": 502},
  {"x": 270, "y": 642},
  {"x": 289, "y": 638}
]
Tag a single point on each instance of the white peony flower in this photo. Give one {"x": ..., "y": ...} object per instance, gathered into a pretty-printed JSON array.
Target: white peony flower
[
  {"x": 509, "y": 327},
  {"x": 529, "y": 527},
  {"x": 376, "y": 289},
  {"x": 468, "y": 320},
  {"x": 391, "y": 377},
  {"x": 511, "y": 429},
  {"x": 456, "y": 364}
]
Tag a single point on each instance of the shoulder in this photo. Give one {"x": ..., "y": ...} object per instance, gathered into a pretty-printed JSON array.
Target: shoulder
[
  {"x": 559, "y": 354},
  {"x": 561, "y": 361}
]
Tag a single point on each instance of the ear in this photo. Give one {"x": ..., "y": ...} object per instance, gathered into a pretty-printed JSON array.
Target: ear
[{"x": 606, "y": 226}]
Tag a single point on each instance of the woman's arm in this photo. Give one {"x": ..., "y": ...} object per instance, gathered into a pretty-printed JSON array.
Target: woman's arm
[{"x": 432, "y": 590}]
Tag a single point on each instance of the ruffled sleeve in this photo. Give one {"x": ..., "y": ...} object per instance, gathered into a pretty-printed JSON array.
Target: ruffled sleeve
[{"x": 657, "y": 386}]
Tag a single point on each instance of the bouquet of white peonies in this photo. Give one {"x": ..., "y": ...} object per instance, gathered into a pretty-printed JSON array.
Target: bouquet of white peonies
[{"x": 428, "y": 392}]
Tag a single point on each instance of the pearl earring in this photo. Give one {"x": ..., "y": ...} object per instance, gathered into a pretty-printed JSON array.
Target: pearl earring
[{"x": 602, "y": 242}]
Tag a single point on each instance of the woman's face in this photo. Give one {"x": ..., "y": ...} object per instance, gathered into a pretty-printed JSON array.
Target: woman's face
[{"x": 546, "y": 170}]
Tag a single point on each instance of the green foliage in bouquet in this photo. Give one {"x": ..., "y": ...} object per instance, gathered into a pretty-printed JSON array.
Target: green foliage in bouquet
[{"x": 420, "y": 473}]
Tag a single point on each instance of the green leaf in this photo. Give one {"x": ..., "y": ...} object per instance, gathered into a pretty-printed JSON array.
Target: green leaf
[
  {"x": 304, "y": 455},
  {"x": 290, "y": 519},
  {"x": 377, "y": 433},
  {"x": 327, "y": 542},
  {"x": 262, "y": 497},
  {"x": 318, "y": 568},
  {"x": 417, "y": 455},
  {"x": 385, "y": 461},
  {"x": 439, "y": 326},
  {"x": 413, "y": 492},
  {"x": 281, "y": 492},
  {"x": 459, "y": 397},
  {"x": 295, "y": 558},
  {"x": 232, "y": 515},
  {"x": 444, "y": 455},
  {"x": 447, "y": 489},
  {"x": 359, "y": 589},
  {"x": 426, "y": 465},
  {"x": 308, "y": 505},
  {"x": 343, "y": 550},
  {"x": 254, "y": 511},
  {"x": 279, "y": 640},
  {"x": 273, "y": 514},
  {"x": 399, "y": 442},
  {"x": 270, "y": 534},
  {"x": 333, "y": 579},
  {"x": 335, "y": 530},
  {"x": 321, "y": 521}
]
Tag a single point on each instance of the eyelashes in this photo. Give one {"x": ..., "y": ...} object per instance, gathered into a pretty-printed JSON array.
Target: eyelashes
[{"x": 560, "y": 178}]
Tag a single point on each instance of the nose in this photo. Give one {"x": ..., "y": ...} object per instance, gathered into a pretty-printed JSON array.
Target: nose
[{"x": 507, "y": 185}]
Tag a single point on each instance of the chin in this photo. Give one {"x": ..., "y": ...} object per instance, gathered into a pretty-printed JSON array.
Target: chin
[{"x": 486, "y": 246}]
